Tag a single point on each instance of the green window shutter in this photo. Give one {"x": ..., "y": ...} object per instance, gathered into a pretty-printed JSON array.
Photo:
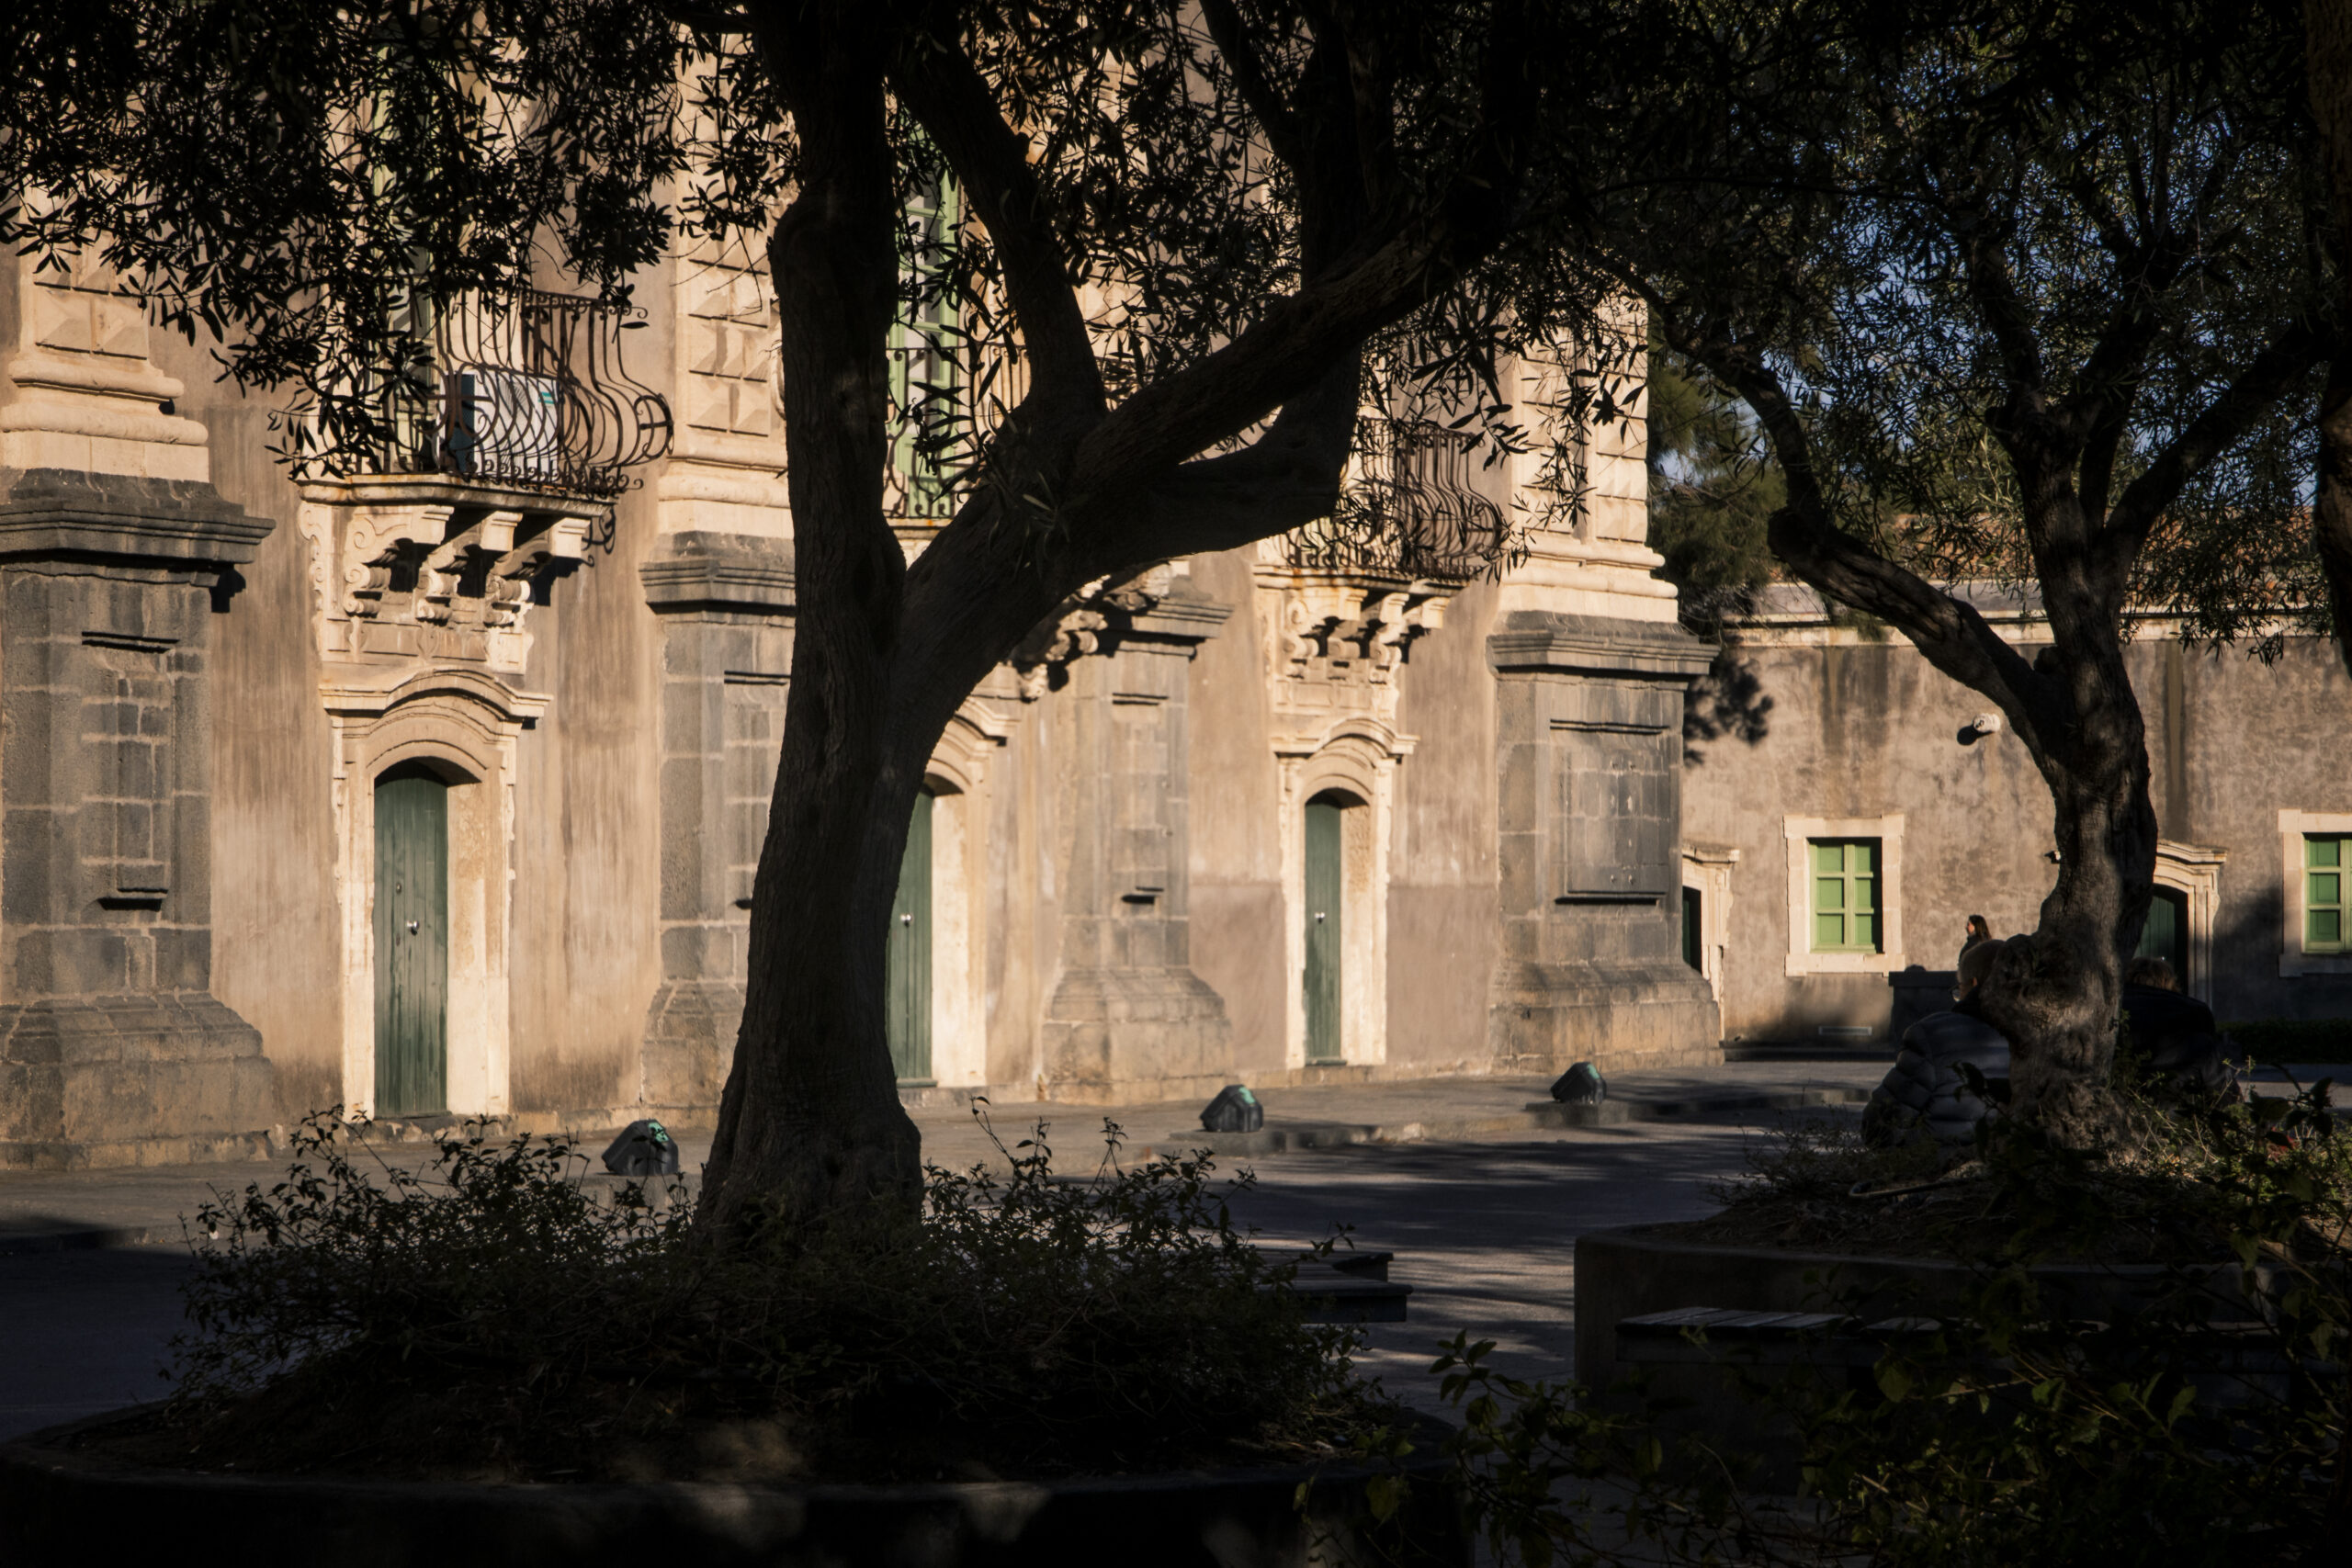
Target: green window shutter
[
  {"x": 926, "y": 358},
  {"x": 2324, "y": 910},
  {"x": 1845, "y": 894}
]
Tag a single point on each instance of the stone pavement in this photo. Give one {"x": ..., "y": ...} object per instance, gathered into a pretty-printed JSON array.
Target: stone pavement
[
  {"x": 43, "y": 1210},
  {"x": 1480, "y": 1202}
]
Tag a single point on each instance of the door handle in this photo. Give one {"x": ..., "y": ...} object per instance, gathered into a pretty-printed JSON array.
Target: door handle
[
  {"x": 905, "y": 920},
  {"x": 411, "y": 927}
]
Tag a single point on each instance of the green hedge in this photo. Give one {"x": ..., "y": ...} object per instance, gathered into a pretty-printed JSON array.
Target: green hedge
[{"x": 2323, "y": 1040}]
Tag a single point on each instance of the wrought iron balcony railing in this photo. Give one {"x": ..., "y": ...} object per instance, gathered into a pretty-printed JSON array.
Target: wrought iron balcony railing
[
  {"x": 521, "y": 388},
  {"x": 1409, "y": 509}
]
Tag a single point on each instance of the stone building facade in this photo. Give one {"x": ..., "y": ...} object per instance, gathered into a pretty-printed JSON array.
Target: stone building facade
[
  {"x": 435, "y": 786},
  {"x": 1867, "y": 745}
]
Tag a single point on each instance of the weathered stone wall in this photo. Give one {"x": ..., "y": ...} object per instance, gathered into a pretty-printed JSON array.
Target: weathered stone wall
[{"x": 1863, "y": 732}]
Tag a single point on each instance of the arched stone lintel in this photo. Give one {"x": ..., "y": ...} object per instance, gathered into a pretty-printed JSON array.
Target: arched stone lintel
[{"x": 465, "y": 724}]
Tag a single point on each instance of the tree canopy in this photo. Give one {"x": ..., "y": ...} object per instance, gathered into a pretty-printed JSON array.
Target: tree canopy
[{"x": 2030, "y": 290}]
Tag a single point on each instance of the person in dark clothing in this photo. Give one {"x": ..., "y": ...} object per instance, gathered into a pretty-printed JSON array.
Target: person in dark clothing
[
  {"x": 1978, "y": 933},
  {"x": 2173, "y": 1035},
  {"x": 1926, "y": 1094}
]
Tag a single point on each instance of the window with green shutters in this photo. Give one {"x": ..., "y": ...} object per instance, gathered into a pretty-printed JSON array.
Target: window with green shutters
[
  {"x": 1845, "y": 894},
  {"x": 2325, "y": 927},
  {"x": 927, "y": 354}
]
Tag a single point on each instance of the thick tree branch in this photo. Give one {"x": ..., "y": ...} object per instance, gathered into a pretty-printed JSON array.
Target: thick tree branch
[
  {"x": 2293, "y": 350},
  {"x": 937, "y": 82},
  {"x": 1387, "y": 270},
  {"x": 1276, "y": 119},
  {"x": 1804, "y": 533},
  {"x": 2327, "y": 33}
]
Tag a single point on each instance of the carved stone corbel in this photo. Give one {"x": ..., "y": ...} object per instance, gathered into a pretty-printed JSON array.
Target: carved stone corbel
[{"x": 373, "y": 541}]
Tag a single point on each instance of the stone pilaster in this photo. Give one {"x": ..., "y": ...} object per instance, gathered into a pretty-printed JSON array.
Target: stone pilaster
[
  {"x": 726, "y": 605},
  {"x": 1588, "y": 732},
  {"x": 1129, "y": 1017},
  {"x": 113, "y": 1049}
]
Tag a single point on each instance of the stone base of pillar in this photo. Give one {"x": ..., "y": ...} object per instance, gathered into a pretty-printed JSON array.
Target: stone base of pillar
[
  {"x": 689, "y": 1041},
  {"x": 88, "y": 1081},
  {"x": 1128, "y": 1035},
  {"x": 1621, "y": 1016}
]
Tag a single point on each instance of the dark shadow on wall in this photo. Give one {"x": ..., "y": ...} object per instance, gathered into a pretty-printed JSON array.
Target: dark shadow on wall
[
  {"x": 1728, "y": 700},
  {"x": 2249, "y": 933}
]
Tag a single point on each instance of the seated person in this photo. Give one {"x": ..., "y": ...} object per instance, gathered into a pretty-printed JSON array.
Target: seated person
[
  {"x": 2174, "y": 1035},
  {"x": 1925, "y": 1094}
]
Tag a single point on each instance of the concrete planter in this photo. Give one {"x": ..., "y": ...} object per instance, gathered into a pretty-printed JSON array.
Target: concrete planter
[
  {"x": 60, "y": 1504},
  {"x": 1724, "y": 1392},
  {"x": 1637, "y": 1270}
]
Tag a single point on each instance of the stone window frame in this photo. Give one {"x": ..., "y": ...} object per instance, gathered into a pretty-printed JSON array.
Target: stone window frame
[
  {"x": 1799, "y": 832},
  {"x": 2292, "y": 827}
]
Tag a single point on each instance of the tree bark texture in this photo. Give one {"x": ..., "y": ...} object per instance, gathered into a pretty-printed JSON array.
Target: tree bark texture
[
  {"x": 2327, "y": 27},
  {"x": 809, "y": 1123}
]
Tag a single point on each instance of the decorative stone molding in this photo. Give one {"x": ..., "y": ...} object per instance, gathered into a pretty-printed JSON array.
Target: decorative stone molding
[
  {"x": 1336, "y": 643},
  {"x": 466, "y": 726},
  {"x": 725, "y": 473},
  {"x": 2195, "y": 870},
  {"x": 1092, "y": 621},
  {"x": 81, "y": 394},
  {"x": 395, "y": 557},
  {"x": 1707, "y": 869}
]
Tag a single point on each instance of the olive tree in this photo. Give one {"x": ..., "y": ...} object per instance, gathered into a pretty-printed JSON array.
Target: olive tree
[
  {"x": 2027, "y": 291},
  {"x": 1195, "y": 233}
]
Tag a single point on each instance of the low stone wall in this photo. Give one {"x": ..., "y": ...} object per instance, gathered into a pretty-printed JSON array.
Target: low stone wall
[
  {"x": 1634, "y": 1271},
  {"x": 61, "y": 1504}
]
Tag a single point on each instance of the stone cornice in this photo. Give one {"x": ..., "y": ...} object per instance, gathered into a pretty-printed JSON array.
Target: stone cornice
[
  {"x": 1185, "y": 619},
  {"x": 738, "y": 572},
  {"x": 1595, "y": 645},
  {"x": 57, "y": 514}
]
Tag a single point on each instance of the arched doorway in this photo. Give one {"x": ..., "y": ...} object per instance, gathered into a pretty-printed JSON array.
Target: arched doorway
[
  {"x": 411, "y": 942},
  {"x": 907, "y": 997}
]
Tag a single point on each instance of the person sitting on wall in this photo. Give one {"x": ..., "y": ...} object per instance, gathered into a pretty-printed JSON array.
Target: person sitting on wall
[
  {"x": 2173, "y": 1036},
  {"x": 1926, "y": 1094}
]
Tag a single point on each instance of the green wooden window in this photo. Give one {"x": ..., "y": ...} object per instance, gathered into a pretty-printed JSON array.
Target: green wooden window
[
  {"x": 1845, "y": 894},
  {"x": 2325, "y": 928},
  {"x": 927, "y": 353}
]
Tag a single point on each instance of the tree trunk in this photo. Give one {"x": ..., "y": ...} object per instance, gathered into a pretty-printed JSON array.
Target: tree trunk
[
  {"x": 810, "y": 1119},
  {"x": 2057, "y": 993},
  {"x": 2328, "y": 60}
]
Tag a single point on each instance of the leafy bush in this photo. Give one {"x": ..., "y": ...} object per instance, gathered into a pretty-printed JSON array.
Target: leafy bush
[
  {"x": 487, "y": 1318},
  {"x": 2315, "y": 1040},
  {"x": 2204, "y": 1425}
]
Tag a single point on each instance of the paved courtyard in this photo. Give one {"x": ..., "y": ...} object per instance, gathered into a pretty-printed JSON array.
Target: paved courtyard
[{"x": 1481, "y": 1205}]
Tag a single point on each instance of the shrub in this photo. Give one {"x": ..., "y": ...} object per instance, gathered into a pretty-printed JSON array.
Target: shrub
[
  {"x": 2313, "y": 1040},
  {"x": 486, "y": 1317},
  {"x": 2196, "y": 1427}
]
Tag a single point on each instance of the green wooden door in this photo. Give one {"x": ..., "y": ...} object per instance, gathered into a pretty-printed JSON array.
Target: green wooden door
[
  {"x": 1692, "y": 953},
  {"x": 2166, "y": 935},
  {"x": 907, "y": 999},
  {"x": 411, "y": 943},
  {"x": 1324, "y": 883}
]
